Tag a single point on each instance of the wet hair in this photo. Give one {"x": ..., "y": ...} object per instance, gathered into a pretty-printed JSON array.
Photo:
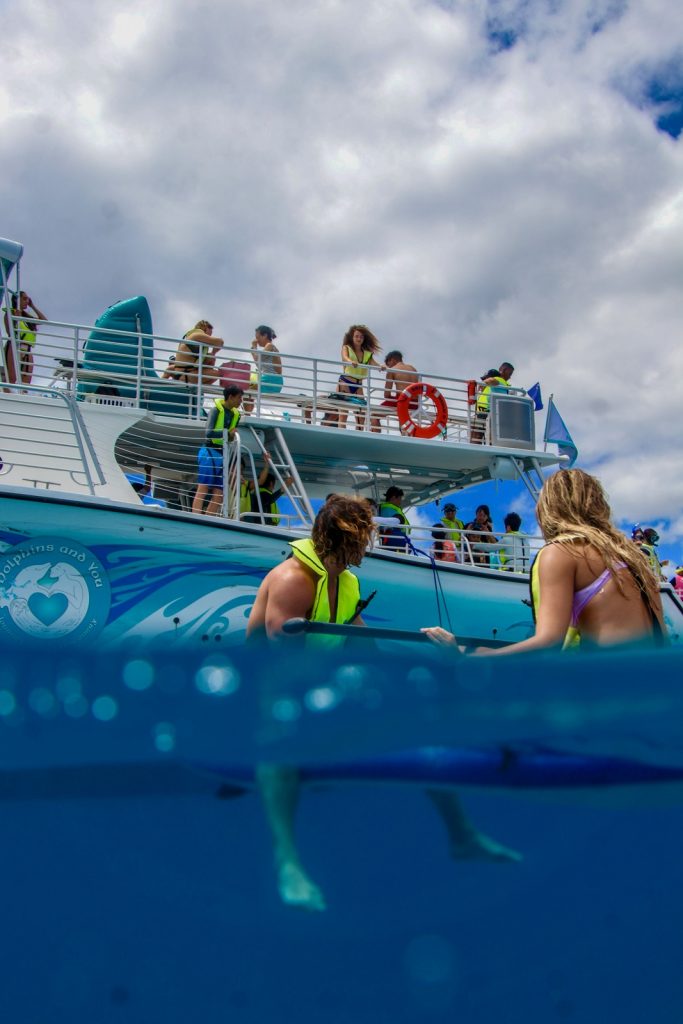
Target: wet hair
[
  {"x": 393, "y": 492},
  {"x": 267, "y": 331},
  {"x": 342, "y": 529},
  {"x": 370, "y": 342},
  {"x": 573, "y": 506},
  {"x": 651, "y": 536},
  {"x": 231, "y": 391},
  {"x": 394, "y": 354},
  {"x": 513, "y": 520}
]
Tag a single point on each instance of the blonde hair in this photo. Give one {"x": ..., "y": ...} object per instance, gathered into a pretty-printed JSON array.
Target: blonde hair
[{"x": 573, "y": 507}]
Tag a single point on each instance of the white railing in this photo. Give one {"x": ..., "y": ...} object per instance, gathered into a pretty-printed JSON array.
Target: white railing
[
  {"x": 500, "y": 551},
  {"x": 43, "y": 442},
  {"x": 127, "y": 368}
]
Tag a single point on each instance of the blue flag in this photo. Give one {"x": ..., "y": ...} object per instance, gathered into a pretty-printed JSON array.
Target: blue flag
[
  {"x": 557, "y": 433},
  {"x": 535, "y": 393}
]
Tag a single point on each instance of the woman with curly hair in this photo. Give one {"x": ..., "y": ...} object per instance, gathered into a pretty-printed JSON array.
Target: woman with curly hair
[
  {"x": 358, "y": 350},
  {"x": 589, "y": 581}
]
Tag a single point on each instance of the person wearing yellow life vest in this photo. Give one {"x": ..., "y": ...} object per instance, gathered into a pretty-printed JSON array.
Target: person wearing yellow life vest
[
  {"x": 317, "y": 584},
  {"x": 224, "y": 416},
  {"x": 589, "y": 580},
  {"x": 392, "y": 508},
  {"x": 25, "y": 337},
  {"x": 492, "y": 380},
  {"x": 452, "y": 525},
  {"x": 358, "y": 350},
  {"x": 649, "y": 549},
  {"x": 512, "y": 548}
]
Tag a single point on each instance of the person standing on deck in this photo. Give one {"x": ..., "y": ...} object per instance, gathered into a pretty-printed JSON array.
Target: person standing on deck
[
  {"x": 25, "y": 337},
  {"x": 498, "y": 380},
  {"x": 392, "y": 508},
  {"x": 268, "y": 362},
  {"x": 225, "y": 416},
  {"x": 316, "y": 584}
]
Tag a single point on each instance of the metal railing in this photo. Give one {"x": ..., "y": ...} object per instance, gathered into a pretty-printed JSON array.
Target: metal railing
[
  {"x": 44, "y": 442},
  {"x": 132, "y": 368}
]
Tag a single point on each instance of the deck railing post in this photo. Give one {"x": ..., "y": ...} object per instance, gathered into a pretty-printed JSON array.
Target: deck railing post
[
  {"x": 138, "y": 374},
  {"x": 74, "y": 369}
]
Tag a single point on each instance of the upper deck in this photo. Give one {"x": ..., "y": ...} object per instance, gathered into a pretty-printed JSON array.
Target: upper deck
[{"x": 336, "y": 440}]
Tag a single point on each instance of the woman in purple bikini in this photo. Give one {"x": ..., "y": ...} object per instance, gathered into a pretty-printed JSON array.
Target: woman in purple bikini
[{"x": 589, "y": 580}]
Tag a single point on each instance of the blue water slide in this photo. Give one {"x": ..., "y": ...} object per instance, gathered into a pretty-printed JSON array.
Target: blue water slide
[{"x": 111, "y": 355}]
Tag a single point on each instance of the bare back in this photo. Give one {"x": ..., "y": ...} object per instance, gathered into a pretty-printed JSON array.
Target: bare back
[
  {"x": 398, "y": 377},
  {"x": 612, "y": 615}
]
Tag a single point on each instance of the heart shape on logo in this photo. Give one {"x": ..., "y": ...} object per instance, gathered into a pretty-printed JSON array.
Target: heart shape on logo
[{"x": 48, "y": 609}]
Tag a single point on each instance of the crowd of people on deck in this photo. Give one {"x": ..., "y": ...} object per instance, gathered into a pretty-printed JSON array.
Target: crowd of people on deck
[{"x": 195, "y": 359}]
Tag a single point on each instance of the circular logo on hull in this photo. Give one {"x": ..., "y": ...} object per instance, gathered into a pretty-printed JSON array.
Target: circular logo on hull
[{"x": 52, "y": 589}]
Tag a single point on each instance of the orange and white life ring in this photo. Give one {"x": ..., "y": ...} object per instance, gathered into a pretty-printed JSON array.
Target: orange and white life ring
[{"x": 408, "y": 397}]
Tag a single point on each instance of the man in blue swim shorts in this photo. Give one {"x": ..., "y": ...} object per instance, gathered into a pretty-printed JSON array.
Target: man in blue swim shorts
[{"x": 225, "y": 416}]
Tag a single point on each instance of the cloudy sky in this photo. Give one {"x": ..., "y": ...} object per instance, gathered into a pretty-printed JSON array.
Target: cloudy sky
[{"x": 477, "y": 180}]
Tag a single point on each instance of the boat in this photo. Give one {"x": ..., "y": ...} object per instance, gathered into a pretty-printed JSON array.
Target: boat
[{"x": 84, "y": 560}]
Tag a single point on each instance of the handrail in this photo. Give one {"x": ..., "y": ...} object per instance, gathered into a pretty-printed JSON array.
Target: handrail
[
  {"x": 86, "y": 454},
  {"x": 309, "y": 393}
]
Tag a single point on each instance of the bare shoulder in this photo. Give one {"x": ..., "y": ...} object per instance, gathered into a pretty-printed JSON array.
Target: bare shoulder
[{"x": 558, "y": 559}]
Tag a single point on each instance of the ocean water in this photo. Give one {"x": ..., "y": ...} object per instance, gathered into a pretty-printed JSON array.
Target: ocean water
[{"x": 136, "y": 886}]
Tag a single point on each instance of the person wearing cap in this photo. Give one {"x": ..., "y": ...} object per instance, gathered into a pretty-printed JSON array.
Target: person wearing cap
[
  {"x": 392, "y": 508},
  {"x": 268, "y": 365},
  {"x": 492, "y": 380},
  {"x": 453, "y": 525}
]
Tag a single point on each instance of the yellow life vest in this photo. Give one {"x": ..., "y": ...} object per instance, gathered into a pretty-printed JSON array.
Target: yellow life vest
[
  {"x": 269, "y": 507},
  {"x": 219, "y": 425},
  {"x": 24, "y": 334},
  {"x": 453, "y": 528},
  {"x": 353, "y": 369},
  {"x": 348, "y": 594},
  {"x": 245, "y": 498},
  {"x": 572, "y": 637},
  {"x": 483, "y": 400}
]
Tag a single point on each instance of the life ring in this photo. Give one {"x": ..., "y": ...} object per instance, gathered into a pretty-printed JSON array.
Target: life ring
[
  {"x": 471, "y": 392},
  {"x": 408, "y": 397}
]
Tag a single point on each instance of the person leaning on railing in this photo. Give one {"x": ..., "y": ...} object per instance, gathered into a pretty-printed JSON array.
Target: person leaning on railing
[
  {"x": 268, "y": 366},
  {"x": 184, "y": 365},
  {"x": 25, "y": 336}
]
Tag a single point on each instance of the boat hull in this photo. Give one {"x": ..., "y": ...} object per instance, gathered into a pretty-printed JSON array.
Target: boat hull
[
  {"x": 138, "y": 575},
  {"x": 80, "y": 570}
]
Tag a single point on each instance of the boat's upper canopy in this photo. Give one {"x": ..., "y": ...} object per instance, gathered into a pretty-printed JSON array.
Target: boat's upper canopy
[{"x": 338, "y": 438}]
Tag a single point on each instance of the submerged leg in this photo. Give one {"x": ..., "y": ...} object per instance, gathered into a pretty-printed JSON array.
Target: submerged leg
[
  {"x": 279, "y": 788},
  {"x": 466, "y": 841}
]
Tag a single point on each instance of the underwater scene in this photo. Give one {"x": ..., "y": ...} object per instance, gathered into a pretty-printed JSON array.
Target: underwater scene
[{"x": 390, "y": 834}]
